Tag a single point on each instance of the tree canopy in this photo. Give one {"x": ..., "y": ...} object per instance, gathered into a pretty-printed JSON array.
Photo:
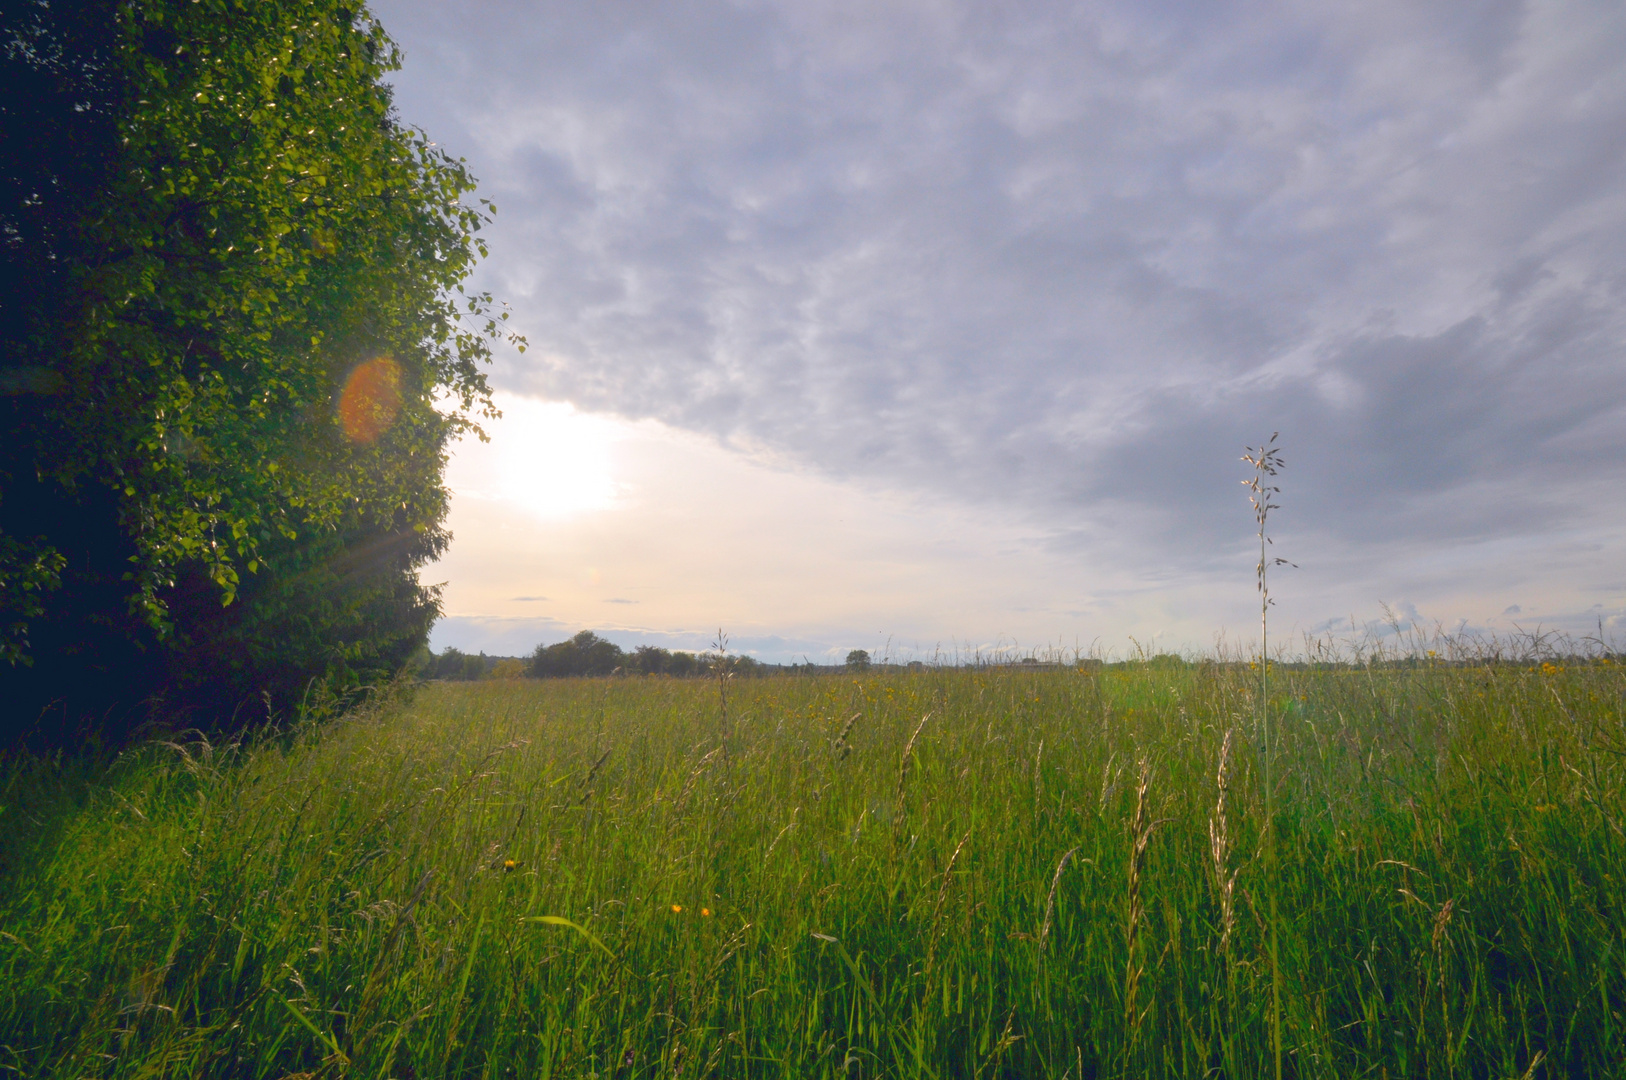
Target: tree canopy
[
  {"x": 584, "y": 654},
  {"x": 589, "y": 654},
  {"x": 456, "y": 665},
  {"x": 230, "y": 299}
]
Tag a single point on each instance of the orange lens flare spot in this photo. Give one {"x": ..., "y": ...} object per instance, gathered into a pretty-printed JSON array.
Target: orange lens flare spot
[{"x": 371, "y": 400}]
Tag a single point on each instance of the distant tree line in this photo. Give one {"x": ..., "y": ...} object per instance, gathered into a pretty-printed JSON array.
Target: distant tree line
[
  {"x": 457, "y": 665},
  {"x": 589, "y": 654},
  {"x": 582, "y": 655}
]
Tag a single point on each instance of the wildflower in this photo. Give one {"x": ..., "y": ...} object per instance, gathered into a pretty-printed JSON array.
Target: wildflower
[
  {"x": 705, "y": 912},
  {"x": 510, "y": 864},
  {"x": 677, "y": 909}
]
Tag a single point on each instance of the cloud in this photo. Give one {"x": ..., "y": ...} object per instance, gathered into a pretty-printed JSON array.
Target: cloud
[
  {"x": 1064, "y": 260},
  {"x": 495, "y": 636}
]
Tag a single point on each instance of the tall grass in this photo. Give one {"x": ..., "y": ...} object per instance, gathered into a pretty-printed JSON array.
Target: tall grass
[
  {"x": 1267, "y": 462},
  {"x": 856, "y": 892}
]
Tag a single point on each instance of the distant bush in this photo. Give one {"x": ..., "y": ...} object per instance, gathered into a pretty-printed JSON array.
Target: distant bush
[
  {"x": 455, "y": 664},
  {"x": 584, "y": 654},
  {"x": 650, "y": 660},
  {"x": 589, "y": 654},
  {"x": 508, "y": 667},
  {"x": 653, "y": 660}
]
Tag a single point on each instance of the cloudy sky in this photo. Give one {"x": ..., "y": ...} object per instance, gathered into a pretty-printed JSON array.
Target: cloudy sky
[{"x": 939, "y": 326}]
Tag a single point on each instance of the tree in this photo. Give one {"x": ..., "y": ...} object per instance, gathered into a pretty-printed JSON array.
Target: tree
[
  {"x": 508, "y": 667},
  {"x": 858, "y": 660},
  {"x": 584, "y": 654},
  {"x": 654, "y": 660},
  {"x": 456, "y": 664},
  {"x": 229, "y": 299},
  {"x": 650, "y": 660}
]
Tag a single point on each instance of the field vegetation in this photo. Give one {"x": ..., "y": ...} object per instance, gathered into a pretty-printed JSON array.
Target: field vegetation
[{"x": 935, "y": 873}]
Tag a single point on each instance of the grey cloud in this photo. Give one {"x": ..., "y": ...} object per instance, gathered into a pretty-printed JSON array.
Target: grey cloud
[
  {"x": 1454, "y": 436},
  {"x": 1068, "y": 258}
]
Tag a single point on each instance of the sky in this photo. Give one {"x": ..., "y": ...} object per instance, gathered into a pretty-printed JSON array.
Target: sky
[{"x": 937, "y": 328}]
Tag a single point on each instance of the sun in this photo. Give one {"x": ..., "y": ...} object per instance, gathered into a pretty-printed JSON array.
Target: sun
[{"x": 544, "y": 457}]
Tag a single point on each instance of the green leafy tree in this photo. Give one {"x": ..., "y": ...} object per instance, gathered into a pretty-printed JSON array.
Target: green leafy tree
[
  {"x": 650, "y": 660},
  {"x": 229, "y": 300},
  {"x": 858, "y": 660},
  {"x": 456, "y": 664},
  {"x": 653, "y": 660},
  {"x": 584, "y": 654}
]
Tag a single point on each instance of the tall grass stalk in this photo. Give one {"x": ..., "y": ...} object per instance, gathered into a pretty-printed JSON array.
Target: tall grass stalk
[
  {"x": 1140, "y": 834},
  {"x": 723, "y": 667},
  {"x": 1221, "y": 839},
  {"x": 1266, "y": 460}
]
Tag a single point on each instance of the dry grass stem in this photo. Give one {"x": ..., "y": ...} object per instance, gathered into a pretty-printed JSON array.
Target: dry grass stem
[
  {"x": 1140, "y": 832},
  {"x": 1219, "y": 848},
  {"x": 1038, "y": 778},
  {"x": 942, "y": 896},
  {"x": 1050, "y": 900},
  {"x": 841, "y": 746},
  {"x": 904, "y": 763},
  {"x": 793, "y": 815}
]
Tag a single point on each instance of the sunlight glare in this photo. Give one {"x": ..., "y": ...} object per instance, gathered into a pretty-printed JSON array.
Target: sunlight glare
[{"x": 544, "y": 457}]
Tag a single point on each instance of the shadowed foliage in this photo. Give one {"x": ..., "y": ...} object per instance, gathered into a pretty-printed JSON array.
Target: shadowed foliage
[
  {"x": 230, "y": 289},
  {"x": 584, "y": 654}
]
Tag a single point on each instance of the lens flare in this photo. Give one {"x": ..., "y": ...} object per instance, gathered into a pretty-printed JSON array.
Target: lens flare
[{"x": 371, "y": 400}]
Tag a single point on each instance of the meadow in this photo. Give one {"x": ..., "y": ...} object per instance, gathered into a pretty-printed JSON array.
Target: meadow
[{"x": 941, "y": 873}]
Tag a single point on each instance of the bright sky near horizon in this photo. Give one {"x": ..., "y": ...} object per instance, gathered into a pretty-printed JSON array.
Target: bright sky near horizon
[{"x": 927, "y": 326}]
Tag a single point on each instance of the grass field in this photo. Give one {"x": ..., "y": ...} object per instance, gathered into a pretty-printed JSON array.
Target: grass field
[{"x": 1050, "y": 875}]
